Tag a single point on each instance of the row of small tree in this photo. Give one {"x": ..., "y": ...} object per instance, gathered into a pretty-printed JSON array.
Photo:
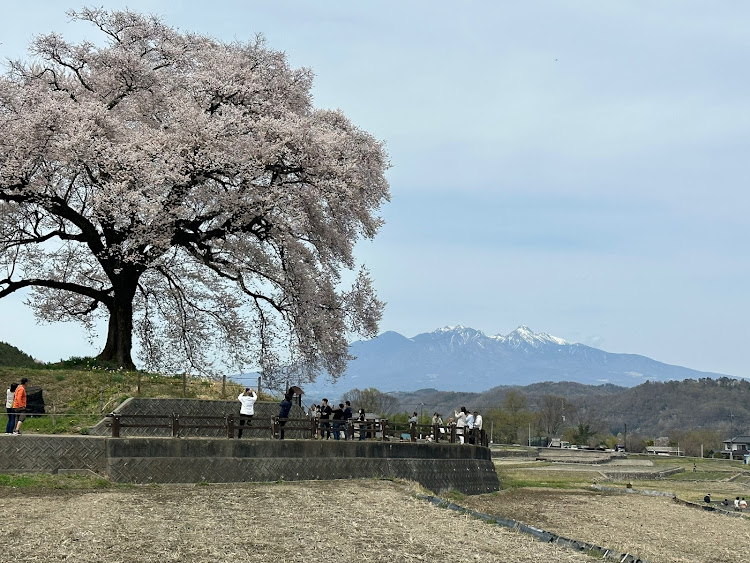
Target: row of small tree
[{"x": 515, "y": 420}]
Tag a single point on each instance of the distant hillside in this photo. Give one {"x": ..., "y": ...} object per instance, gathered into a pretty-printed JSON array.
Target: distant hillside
[
  {"x": 445, "y": 401},
  {"x": 656, "y": 408},
  {"x": 651, "y": 409},
  {"x": 13, "y": 357}
]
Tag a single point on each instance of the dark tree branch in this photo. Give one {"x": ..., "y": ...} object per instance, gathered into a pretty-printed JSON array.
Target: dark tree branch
[{"x": 102, "y": 296}]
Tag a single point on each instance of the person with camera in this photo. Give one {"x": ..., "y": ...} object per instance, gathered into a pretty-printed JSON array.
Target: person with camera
[
  {"x": 247, "y": 409},
  {"x": 285, "y": 408}
]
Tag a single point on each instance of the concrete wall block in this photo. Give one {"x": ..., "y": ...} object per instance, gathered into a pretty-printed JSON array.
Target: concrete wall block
[
  {"x": 157, "y": 460},
  {"x": 49, "y": 454}
]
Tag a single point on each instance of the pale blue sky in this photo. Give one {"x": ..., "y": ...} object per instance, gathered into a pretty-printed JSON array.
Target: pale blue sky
[{"x": 577, "y": 167}]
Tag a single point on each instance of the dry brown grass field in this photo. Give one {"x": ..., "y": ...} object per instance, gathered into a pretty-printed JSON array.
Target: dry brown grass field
[
  {"x": 306, "y": 521},
  {"x": 560, "y": 498},
  {"x": 654, "y": 528},
  {"x": 368, "y": 520}
]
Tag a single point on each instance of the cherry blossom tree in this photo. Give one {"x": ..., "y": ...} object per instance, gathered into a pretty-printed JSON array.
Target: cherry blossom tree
[{"x": 186, "y": 190}]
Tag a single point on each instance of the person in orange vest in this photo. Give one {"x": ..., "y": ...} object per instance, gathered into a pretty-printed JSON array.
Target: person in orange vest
[{"x": 19, "y": 405}]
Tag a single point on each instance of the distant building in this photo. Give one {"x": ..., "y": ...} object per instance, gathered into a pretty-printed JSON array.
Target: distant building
[
  {"x": 558, "y": 443},
  {"x": 664, "y": 450},
  {"x": 737, "y": 446}
]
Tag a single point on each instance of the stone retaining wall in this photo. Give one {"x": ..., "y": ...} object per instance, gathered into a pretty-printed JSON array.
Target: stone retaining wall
[
  {"x": 569, "y": 455},
  {"x": 504, "y": 453},
  {"x": 437, "y": 467},
  {"x": 640, "y": 475},
  {"x": 35, "y": 453}
]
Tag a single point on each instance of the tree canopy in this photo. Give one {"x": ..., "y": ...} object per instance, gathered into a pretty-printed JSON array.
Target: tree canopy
[{"x": 186, "y": 190}]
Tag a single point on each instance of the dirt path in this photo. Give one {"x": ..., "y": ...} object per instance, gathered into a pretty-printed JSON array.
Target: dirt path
[{"x": 341, "y": 520}]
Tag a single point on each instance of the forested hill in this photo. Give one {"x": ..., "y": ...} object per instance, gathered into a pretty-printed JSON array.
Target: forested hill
[
  {"x": 650, "y": 409},
  {"x": 445, "y": 401},
  {"x": 658, "y": 408},
  {"x": 12, "y": 356}
]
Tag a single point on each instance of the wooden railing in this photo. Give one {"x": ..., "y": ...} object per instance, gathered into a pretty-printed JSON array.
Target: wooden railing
[
  {"x": 172, "y": 422},
  {"x": 379, "y": 429}
]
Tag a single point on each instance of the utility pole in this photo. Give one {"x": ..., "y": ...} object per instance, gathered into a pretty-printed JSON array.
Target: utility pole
[{"x": 626, "y": 437}]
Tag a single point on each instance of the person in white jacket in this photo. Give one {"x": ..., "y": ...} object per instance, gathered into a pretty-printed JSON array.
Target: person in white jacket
[
  {"x": 247, "y": 410},
  {"x": 460, "y": 423},
  {"x": 9, "y": 395}
]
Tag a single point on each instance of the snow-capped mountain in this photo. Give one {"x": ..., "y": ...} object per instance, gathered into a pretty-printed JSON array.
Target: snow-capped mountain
[{"x": 459, "y": 358}]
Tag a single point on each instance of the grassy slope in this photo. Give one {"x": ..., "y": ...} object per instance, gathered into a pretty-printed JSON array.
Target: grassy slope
[{"x": 77, "y": 396}]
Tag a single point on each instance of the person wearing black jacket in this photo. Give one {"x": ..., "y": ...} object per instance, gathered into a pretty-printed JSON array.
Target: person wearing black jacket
[
  {"x": 286, "y": 406},
  {"x": 362, "y": 417},
  {"x": 338, "y": 417},
  {"x": 325, "y": 415},
  {"x": 347, "y": 418}
]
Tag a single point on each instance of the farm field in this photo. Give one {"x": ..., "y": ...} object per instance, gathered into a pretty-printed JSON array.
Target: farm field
[
  {"x": 654, "y": 528},
  {"x": 364, "y": 520},
  {"x": 57, "y": 518},
  {"x": 561, "y": 498}
]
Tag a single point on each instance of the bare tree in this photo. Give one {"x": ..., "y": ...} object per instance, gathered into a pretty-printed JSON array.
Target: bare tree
[
  {"x": 553, "y": 413},
  {"x": 185, "y": 190},
  {"x": 373, "y": 401}
]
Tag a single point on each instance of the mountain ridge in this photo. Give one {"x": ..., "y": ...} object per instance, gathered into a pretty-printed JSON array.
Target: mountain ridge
[{"x": 460, "y": 358}]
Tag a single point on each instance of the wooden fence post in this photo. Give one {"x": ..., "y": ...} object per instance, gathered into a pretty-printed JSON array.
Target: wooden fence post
[
  {"x": 230, "y": 426},
  {"x": 115, "y": 425}
]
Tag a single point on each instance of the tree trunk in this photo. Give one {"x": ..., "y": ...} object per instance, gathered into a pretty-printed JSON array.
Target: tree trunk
[{"x": 120, "y": 331}]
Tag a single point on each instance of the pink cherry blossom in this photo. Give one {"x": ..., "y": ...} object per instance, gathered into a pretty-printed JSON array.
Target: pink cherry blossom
[{"x": 187, "y": 190}]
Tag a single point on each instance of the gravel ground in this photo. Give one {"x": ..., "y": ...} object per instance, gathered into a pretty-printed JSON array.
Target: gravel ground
[
  {"x": 655, "y": 528},
  {"x": 330, "y": 520}
]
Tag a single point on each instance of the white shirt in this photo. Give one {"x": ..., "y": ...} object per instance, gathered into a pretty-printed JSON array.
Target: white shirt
[
  {"x": 9, "y": 399},
  {"x": 478, "y": 422},
  {"x": 248, "y": 402},
  {"x": 460, "y": 419},
  {"x": 470, "y": 421}
]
